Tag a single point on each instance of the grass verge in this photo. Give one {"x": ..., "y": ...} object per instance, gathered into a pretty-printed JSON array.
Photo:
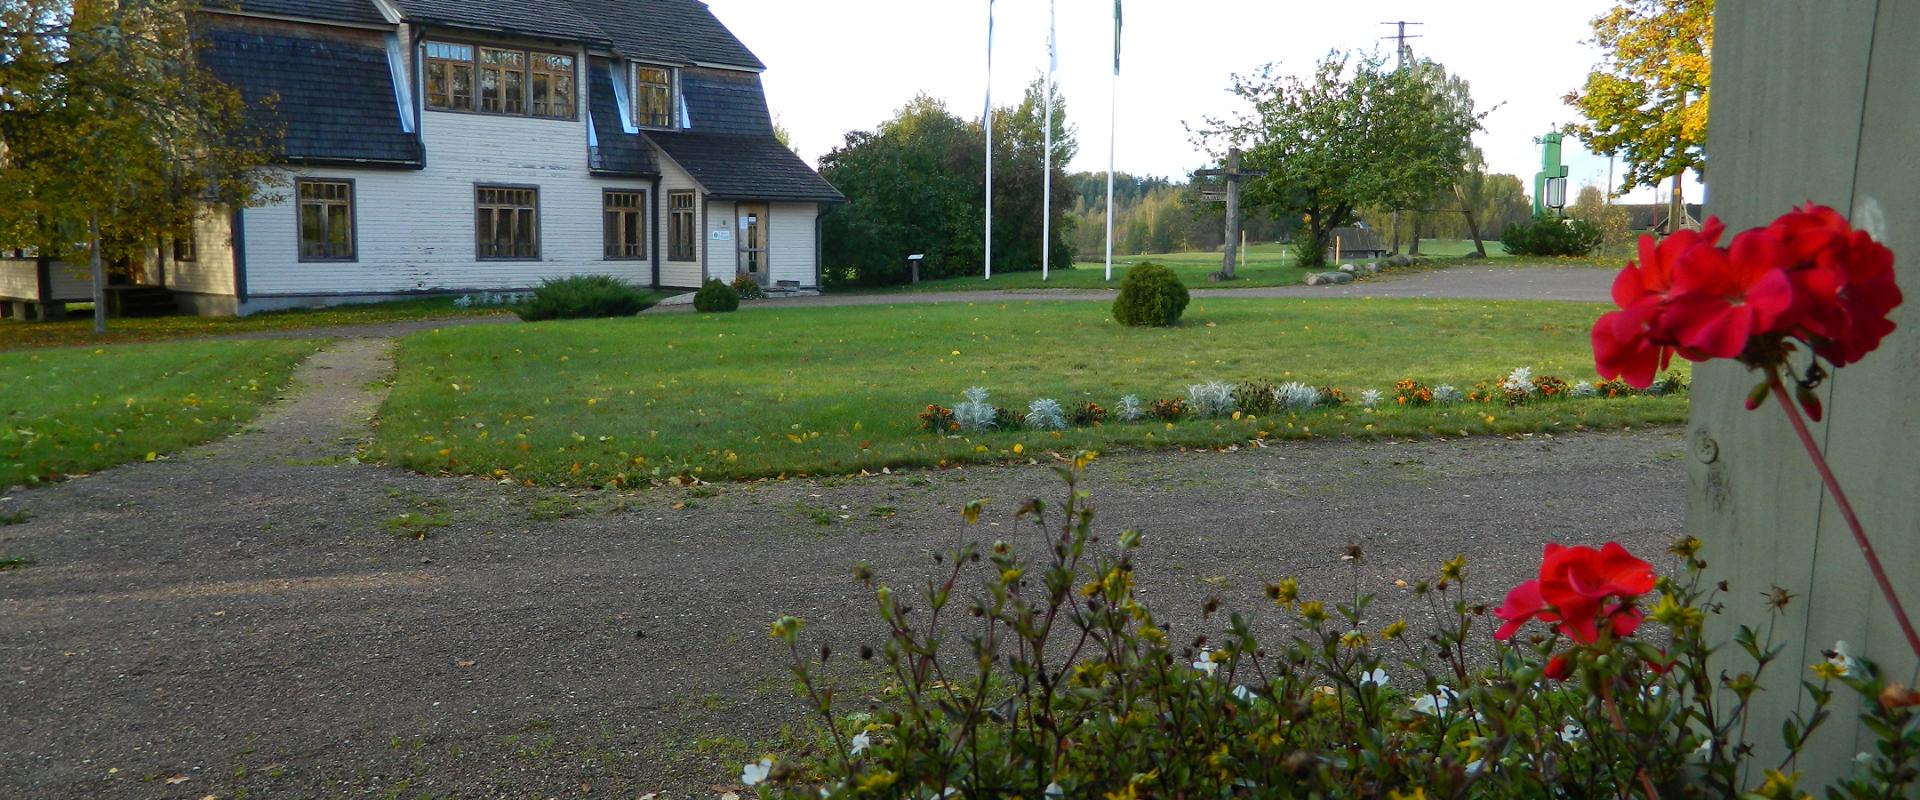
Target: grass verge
[
  {"x": 1266, "y": 264},
  {"x": 73, "y": 411},
  {"x": 836, "y": 390},
  {"x": 18, "y": 335}
]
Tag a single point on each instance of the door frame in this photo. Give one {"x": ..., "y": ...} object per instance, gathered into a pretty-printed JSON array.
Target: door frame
[{"x": 763, "y": 223}]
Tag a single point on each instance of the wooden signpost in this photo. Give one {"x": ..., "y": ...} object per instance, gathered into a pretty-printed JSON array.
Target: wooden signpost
[{"x": 1231, "y": 196}]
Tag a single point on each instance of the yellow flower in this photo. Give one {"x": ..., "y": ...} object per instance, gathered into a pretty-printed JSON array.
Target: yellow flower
[
  {"x": 1454, "y": 568},
  {"x": 1313, "y": 611},
  {"x": 1418, "y": 793},
  {"x": 1394, "y": 630},
  {"x": 1019, "y": 448}
]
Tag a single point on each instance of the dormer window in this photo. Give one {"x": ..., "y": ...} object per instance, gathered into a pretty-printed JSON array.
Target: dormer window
[
  {"x": 493, "y": 80},
  {"x": 653, "y": 96}
]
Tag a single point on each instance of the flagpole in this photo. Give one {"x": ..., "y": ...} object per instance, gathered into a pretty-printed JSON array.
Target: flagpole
[
  {"x": 986, "y": 121},
  {"x": 1113, "y": 134},
  {"x": 1046, "y": 199}
]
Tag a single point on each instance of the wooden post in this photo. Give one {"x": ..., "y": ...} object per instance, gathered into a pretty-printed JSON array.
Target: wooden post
[
  {"x": 1754, "y": 500},
  {"x": 99, "y": 275},
  {"x": 1233, "y": 213}
]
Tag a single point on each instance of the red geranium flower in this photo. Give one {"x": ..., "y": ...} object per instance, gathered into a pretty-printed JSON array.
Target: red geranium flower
[
  {"x": 1578, "y": 588},
  {"x": 1559, "y": 667},
  {"x": 1843, "y": 282},
  {"x": 1723, "y": 298}
]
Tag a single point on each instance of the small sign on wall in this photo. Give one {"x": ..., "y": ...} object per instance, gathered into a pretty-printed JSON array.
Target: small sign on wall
[{"x": 723, "y": 235}]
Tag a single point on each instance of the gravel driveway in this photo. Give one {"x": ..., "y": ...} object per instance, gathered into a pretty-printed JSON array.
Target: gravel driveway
[{"x": 255, "y": 616}]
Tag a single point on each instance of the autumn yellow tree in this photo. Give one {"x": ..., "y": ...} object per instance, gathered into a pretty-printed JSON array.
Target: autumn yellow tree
[{"x": 1646, "y": 101}]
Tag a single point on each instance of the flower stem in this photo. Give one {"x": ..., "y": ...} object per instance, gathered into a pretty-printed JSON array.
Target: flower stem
[
  {"x": 1846, "y": 509},
  {"x": 1613, "y": 713}
]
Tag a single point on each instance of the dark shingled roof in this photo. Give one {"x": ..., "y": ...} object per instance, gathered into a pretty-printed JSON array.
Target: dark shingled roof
[
  {"x": 677, "y": 31},
  {"x": 726, "y": 102},
  {"x": 745, "y": 167},
  {"x": 332, "y": 10},
  {"x": 334, "y": 98},
  {"x": 558, "y": 20},
  {"x": 619, "y": 153}
]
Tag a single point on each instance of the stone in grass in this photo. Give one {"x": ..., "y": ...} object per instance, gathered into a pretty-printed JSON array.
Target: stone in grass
[
  {"x": 1348, "y": 268},
  {"x": 1402, "y": 260},
  {"x": 1328, "y": 278},
  {"x": 1371, "y": 268}
]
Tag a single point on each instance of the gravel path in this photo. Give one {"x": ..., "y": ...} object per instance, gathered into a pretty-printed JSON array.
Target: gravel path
[{"x": 255, "y": 614}]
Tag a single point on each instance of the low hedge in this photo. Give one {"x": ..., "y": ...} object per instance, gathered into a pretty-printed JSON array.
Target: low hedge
[{"x": 584, "y": 297}]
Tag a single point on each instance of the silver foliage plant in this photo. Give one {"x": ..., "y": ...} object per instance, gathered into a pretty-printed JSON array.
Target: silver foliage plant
[
  {"x": 1211, "y": 399},
  {"x": 1296, "y": 396},
  {"x": 1585, "y": 389},
  {"x": 975, "y": 414},
  {"x": 1046, "y": 414},
  {"x": 1520, "y": 380},
  {"x": 1445, "y": 393},
  {"x": 1129, "y": 409},
  {"x": 1370, "y": 398}
]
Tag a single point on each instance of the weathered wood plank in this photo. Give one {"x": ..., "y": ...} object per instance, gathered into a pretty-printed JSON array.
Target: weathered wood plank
[{"x": 1790, "y": 91}]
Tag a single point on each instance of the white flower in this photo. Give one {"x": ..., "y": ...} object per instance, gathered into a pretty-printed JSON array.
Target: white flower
[
  {"x": 1864, "y": 759},
  {"x": 1435, "y": 702},
  {"x": 1242, "y": 693},
  {"x": 756, "y": 774},
  {"x": 1206, "y": 663},
  {"x": 1376, "y": 676},
  {"x": 1841, "y": 657},
  {"x": 1054, "y": 790},
  {"x": 1571, "y": 733},
  {"x": 1473, "y": 767},
  {"x": 1370, "y": 398},
  {"x": 861, "y": 742}
]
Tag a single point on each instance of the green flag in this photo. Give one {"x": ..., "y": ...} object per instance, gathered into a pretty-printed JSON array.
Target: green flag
[{"x": 1116, "y": 37}]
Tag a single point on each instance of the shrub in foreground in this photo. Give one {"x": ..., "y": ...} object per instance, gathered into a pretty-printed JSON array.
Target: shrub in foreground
[
  {"x": 584, "y": 297},
  {"x": 715, "y": 297},
  {"x": 1061, "y": 682},
  {"x": 1150, "y": 295}
]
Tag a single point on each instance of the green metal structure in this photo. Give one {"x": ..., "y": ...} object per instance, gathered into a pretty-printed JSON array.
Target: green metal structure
[{"x": 1550, "y": 168}]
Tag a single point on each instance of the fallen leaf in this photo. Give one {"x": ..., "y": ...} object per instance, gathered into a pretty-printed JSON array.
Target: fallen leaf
[
  {"x": 463, "y": 664},
  {"x": 177, "y": 780}
]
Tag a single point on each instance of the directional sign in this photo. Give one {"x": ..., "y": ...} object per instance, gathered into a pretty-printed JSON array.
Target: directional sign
[{"x": 1213, "y": 195}]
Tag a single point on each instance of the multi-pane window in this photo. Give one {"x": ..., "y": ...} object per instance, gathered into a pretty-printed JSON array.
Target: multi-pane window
[
  {"x": 626, "y": 226},
  {"x": 494, "y": 80},
  {"x": 506, "y": 222},
  {"x": 185, "y": 247},
  {"x": 653, "y": 97},
  {"x": 681, "y": 237},
  {"x": 552, "y": 86},
  {"x": 326, "y": 221},
  {"x": 503, "y": 81},
  {"x": 449, "y": 76}
]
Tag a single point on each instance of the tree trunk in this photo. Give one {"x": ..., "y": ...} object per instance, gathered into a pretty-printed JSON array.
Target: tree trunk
[
  {"x": 1676, "y": 208},
  {"x": 1393, "y": 248},
  {"x": 1473, "y": 225},
  {"x": 99, "y": 275},
  {"x": 1413, "y": 249}
]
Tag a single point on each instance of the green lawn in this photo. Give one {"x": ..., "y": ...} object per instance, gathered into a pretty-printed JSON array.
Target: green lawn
[
  {"x": 767, "y": 392},
  {"x": 16, "y": 335},
  {"x": 78, "y": 410},
  {"x": 1267, "y": 264}
]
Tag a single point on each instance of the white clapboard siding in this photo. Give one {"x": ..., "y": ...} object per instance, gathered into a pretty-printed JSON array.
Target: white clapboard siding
[
  {"x": 20, "y": 279},
  {"x": 415, "y": 228},
  {"x": 684, "y": 274},
  {"x": 723, "y": 255},
  {"x": 791, "y": 240},
  {"x": 211, "y": 270}
]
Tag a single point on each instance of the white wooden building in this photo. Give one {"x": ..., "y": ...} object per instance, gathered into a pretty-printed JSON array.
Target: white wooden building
[{"x": 441, "y": 146}]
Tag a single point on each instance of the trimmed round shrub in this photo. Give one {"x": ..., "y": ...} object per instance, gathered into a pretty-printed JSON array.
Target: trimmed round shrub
[
  {"x": 715, "y": 297},
  {"x": 1150, "y": 295},
  {"x": 584, "y": 297}
]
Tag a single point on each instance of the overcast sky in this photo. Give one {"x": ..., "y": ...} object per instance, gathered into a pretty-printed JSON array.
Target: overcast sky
[{"x": 840, "y": 65}]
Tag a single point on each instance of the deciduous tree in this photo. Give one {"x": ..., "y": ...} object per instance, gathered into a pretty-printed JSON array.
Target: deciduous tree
[
  {"x": 1646, "y": 101},
  {"x": 113, "y": 134}
]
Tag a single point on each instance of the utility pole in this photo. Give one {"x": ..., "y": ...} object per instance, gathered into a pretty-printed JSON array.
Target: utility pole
[{"x": 1400, "y": 53}]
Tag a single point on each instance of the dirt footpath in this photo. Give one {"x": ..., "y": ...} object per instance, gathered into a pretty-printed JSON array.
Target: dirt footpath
[{"x": 261, "y": 616}]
